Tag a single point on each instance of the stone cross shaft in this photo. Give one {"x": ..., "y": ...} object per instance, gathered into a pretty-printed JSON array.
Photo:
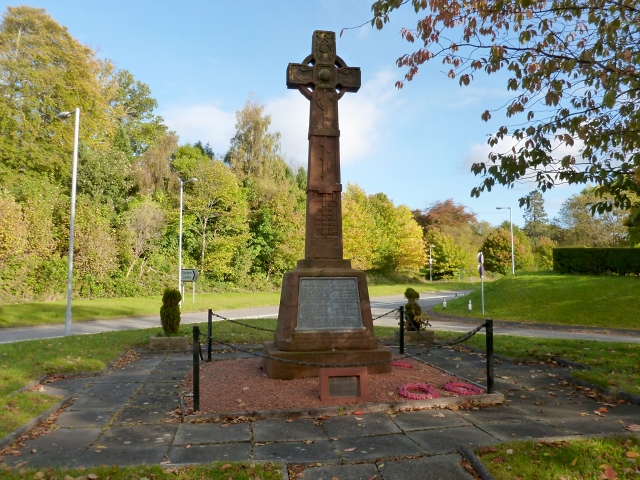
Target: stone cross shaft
[{"x": 323, "y": 78}]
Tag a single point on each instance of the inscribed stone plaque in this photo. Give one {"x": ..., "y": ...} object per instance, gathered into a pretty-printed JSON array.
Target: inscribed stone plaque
[
  {"x": 344, "y": 386},
  {"x": 329, "y": 303}
]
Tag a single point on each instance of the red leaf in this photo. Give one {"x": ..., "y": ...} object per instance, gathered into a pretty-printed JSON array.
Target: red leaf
[{"x": 498, "y": 460}]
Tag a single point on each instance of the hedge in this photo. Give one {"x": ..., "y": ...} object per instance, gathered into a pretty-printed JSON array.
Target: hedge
[{"x": 597, "y": 261}]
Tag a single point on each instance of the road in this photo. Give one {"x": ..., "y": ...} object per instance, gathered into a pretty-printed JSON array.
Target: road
[{"x": 379, "y": 305}]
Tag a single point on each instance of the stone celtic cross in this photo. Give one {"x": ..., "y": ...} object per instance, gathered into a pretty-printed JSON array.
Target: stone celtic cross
[{"x": 323, "y": 78}]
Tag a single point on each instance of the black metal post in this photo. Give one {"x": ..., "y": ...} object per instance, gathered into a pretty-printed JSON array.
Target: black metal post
[
  {"x": 401, "y": 328},
  {"x": 490, "y": 378},
  {"x": 196, "y": 368},
  {"x": 209, "y": 332}
]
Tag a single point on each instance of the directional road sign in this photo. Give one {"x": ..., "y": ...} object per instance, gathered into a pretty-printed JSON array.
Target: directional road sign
[{"x": 189, "y": 274}]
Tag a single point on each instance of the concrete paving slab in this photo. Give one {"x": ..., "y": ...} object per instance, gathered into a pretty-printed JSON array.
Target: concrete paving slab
[
  {"x": 368, "y": 424},
  {"x": 117, "y": 377},
  {"x": 591, "y": 425},
  {"x": 198, "y": 433},
  {"x": 381, "y": 446},
  {"x": 282, "y": 431},
  {"x": 140, "y": 415},
  {"x": 139, "y": 435},
  {"x": 100, "y": 390},
  {"x": 501, "y": 414},
  {"x": 440, "y": 467},
  {"x": 71, "y": 386},
  {"x": 231, "y": 452},
  {"x": 83, "y": 419},
  {"x": 111, "y": 404},
  {"x": 57, "y": 448},
  {"x": 449, "y": 440},
  {"x": 343, "y": 472},
  {"x": 163, "y": 403},
  {"x": 122, "y": 455},
  {"x": 181, "y": 368},
  {"x": 296, "y": 452},
  {"x": 428, "y": 419},
  {"x": 174, "y": 378},
  {"x": 523, "y": 431}
]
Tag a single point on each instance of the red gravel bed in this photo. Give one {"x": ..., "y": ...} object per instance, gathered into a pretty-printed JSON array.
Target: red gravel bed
[{"x": 242, "y": 385}]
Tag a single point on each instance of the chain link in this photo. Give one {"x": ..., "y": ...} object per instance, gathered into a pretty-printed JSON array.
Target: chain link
[{"x": 455, "y": 341}]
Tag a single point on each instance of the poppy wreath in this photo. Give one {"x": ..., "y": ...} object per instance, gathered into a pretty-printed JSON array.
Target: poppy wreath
[
  {"x": 408, "y": 390},
  {"x": 462, "y": 388},
  {"x": 401, "y": 364}
]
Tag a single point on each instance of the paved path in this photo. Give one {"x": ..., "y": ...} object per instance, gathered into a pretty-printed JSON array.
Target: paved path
[
  {"x": 120, "y": 418},
  {"x": 379, "y": 305}
]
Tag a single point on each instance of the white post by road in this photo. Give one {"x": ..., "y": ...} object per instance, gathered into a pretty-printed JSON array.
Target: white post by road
[{"x": 74, "y": 176}]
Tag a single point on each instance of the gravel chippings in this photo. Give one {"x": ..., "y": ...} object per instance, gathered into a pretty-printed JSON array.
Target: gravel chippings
[{"x": 242, "y": 385}]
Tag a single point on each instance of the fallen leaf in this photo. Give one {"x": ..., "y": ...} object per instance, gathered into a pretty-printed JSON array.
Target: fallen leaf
[
  {"x": 484, "y": 450},
  {"x": 632, "y": 455},
  {"x": 289, "y": 420},
  {"x": 633, "y": 427},
  {"x": 439, "y": 415},
  {"x": 39, "y": 475},
  {"x": 375, "y": 476},
  {"x": 224, "y": 425},
  {"x": 225, "y": 466},
  {"x": 359, "y": 418},
  {"x": 603, "y": 410},
  {"x": 610, "y": 473},
  {"x": 510, "y": 451},
  {"x": 93, "y": 476},
  {"x": 575, "y": 460},
  {"x": 359, "y": 412},
  {"x": 498, "y": 460},
  {"x": 349, "y": 449}
]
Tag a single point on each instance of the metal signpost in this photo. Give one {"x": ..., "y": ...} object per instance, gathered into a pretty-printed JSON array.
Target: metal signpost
[
  {"x": 481, "y": 272},
  {"x": 189, "y": 275}
]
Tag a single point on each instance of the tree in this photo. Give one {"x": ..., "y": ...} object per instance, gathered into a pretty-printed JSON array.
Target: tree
[
  {"x": 536, "y": 221},
  {"x": 152, "y": 171},
  {"x": 579, "y": 228},
  {"x": 448, "y": 257},
  {"x": 573, "y": 67},
  {"x": 144, "y": 224},
  {"x": 13, "y": 228},
  {"x": 497, "y": 252},
  {"x": 44, "y": 71},
  {"x": 254, "y": 151},
  {"x": 220, "y": 208},
  {"x": 359, "y": 234},
  {"x": 135, "y": 114}
]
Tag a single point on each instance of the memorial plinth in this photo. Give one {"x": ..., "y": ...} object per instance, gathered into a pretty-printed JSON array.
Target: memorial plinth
[{"x": 325, "y": 314}]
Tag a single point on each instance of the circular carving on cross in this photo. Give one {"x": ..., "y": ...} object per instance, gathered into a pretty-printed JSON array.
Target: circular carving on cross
[{"x": 324, "y": 75}]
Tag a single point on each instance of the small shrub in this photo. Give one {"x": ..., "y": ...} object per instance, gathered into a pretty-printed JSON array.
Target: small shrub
[
  {"x": 415, "y": 319},
  {"x": 170, "y": 311}
]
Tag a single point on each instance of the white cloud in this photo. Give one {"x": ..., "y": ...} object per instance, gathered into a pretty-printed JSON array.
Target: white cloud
[
  {"x": 362, "y": 119},
  {"x": 206, "y": 123}
]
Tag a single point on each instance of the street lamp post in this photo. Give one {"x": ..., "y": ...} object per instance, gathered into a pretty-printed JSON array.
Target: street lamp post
[
  {"x": 180, "y": 233},
  {"x": 430, "y": 264},
  {"x": 74, "y": 177},
  {"x": 513, "y": 263}
]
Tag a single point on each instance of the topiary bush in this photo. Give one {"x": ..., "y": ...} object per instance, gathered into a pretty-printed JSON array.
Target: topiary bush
[
  {"x": 416, "y": 320},
  {"x": 170, "y": 311}
]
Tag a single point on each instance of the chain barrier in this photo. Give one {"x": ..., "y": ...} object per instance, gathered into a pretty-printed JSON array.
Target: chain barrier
[
  {"x": 451, "y": 343},
  {"x": 385, "y": 314},
  {"x": 243, "y": 324},
  {"x": 306, "y": 364}
]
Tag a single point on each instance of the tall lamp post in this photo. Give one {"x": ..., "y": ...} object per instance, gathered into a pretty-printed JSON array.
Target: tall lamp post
[
  {"x": 180, "y": 233},
  {"x": 74, "y": 177},
  {"x": 430, "y": 264},
  {"x": 513, "y": 263}
]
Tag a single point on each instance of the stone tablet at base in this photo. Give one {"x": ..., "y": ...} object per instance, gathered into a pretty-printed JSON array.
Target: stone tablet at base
[{"x": 328, "y": 303}]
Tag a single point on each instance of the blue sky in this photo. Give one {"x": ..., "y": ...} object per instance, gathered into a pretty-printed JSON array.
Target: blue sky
[{"x": 203, "y": 59}]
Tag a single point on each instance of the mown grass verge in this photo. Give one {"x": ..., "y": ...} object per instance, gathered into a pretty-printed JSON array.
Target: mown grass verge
[
  {"x": 613, "y": 365},
  {"x": 213, "y": 471},
  {"x": 42, "y": 313},
  {"x": 546, "y": 297},
  {"x": 616, "y": 457}
]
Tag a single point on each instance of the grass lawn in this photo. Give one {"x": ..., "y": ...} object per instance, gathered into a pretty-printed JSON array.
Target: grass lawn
[
  {"x": 41, "y": 313},
  {"x": 546, "y": 297},
  {"x": 594, "y": 458},
  {"x": 613, "y": 365},
  {"x": 213, "y": 471}
]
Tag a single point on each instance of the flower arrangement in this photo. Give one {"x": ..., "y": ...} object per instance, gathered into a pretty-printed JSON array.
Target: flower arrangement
[
  {"x": 401, "y": 364},
  {"x": 462, "y": 388},
  {"x": 408, "y": 391}
]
